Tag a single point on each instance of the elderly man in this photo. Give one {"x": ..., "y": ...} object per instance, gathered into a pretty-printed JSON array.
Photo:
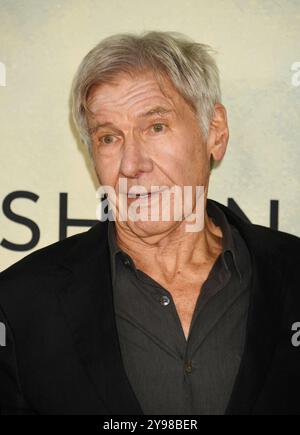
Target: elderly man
[{"x": 153, "y": 315}]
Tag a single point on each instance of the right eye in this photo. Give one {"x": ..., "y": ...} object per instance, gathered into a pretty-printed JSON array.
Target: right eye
[{"x": 107, "y": 139}]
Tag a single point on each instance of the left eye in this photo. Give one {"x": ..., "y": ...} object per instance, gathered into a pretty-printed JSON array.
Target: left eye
[{"x": 158, "y": 128}]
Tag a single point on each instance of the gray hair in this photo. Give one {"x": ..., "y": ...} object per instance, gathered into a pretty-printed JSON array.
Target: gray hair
[{"x": 187, "y": 64}]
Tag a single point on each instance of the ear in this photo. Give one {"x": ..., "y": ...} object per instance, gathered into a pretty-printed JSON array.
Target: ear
[{"x": 218, "y": 133}]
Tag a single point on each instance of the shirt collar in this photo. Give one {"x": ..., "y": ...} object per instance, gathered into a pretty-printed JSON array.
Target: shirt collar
[
  {"x": 218, "y": 217},
  {"x": 229, "y": 244}
]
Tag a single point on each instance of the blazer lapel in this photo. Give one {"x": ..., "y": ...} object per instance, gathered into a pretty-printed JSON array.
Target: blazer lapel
[
  {"x": 263, "y": 317},
  {"x": 87, "y": 301}
]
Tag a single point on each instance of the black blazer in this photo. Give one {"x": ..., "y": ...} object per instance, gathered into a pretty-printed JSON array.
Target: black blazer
[{"x": 62, "y": 354}]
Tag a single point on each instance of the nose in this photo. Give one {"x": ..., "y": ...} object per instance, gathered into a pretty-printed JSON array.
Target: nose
[{"x": 135, "y": 159}]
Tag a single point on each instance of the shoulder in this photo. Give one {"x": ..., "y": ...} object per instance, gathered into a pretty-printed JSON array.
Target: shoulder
[
  {"x": 263, "y": 240},
  {"x": 277, "y": 258},
  {"x": 42, "y": 270},
  {"x": 275, "y": 239},
  {"x": 273, "y": 252},
  {"x": 281, "y": 249},
  {"x": 276, "y": 251},
  {"x": 40, "y": 261}
]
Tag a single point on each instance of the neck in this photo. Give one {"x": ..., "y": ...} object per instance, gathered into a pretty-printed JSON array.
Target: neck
[{"x": 175, "y": 252}]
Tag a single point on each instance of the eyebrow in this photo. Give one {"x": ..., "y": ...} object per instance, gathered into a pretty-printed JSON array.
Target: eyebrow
[
  {"x": 158, "y": 110},
  {"x": 96, "y": 127}
]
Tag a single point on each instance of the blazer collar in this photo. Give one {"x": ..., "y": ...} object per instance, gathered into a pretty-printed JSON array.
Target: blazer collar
[{"x": 87, "y": 300}]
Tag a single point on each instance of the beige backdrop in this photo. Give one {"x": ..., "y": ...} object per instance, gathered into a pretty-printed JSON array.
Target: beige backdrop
[{"x": 41, "y": 45}]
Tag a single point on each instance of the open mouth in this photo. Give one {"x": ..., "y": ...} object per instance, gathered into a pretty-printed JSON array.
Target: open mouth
[
  {"x": 142, "y": 195},
  {"x": 138, "y": 195}
]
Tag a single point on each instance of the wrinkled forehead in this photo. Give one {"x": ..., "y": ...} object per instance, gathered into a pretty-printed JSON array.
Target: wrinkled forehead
[
  {"x": 135, "y": 89},
  {"x": 126, "y": 88}
]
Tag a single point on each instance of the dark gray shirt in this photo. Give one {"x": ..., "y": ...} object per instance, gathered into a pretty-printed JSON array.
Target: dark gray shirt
[{"x": 169, "y": 374}]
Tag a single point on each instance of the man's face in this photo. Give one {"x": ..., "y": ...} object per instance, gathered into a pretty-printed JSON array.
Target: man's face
[{"x": 148, "y": 137}]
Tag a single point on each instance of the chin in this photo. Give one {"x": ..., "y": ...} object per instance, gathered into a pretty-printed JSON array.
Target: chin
[{"x": 151, "y": 228}]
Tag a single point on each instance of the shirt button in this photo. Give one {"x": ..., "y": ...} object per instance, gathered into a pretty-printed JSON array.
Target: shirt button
[
  {"x": 188, "y": 367},
  {"x": 126, "y": 262},
  {"x": 164, "y": 300}
]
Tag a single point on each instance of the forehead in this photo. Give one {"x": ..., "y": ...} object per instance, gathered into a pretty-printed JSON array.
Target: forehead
[{"x": 133, "y": 93}]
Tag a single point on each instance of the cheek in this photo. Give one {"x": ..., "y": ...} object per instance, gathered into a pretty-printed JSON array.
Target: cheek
[
  {"x": 107, "y": 171},
  {"x": 194, "y": 162},
  {"x": 191, "y": 149}
]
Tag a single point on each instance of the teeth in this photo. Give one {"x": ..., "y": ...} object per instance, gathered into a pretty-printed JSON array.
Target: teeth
[
  {"x": 142, "y": 195},
  {"x": 133, "y": 195}
]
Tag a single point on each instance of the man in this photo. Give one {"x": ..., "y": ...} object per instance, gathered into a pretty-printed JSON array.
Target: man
[{"x": 152, "y": 316}]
